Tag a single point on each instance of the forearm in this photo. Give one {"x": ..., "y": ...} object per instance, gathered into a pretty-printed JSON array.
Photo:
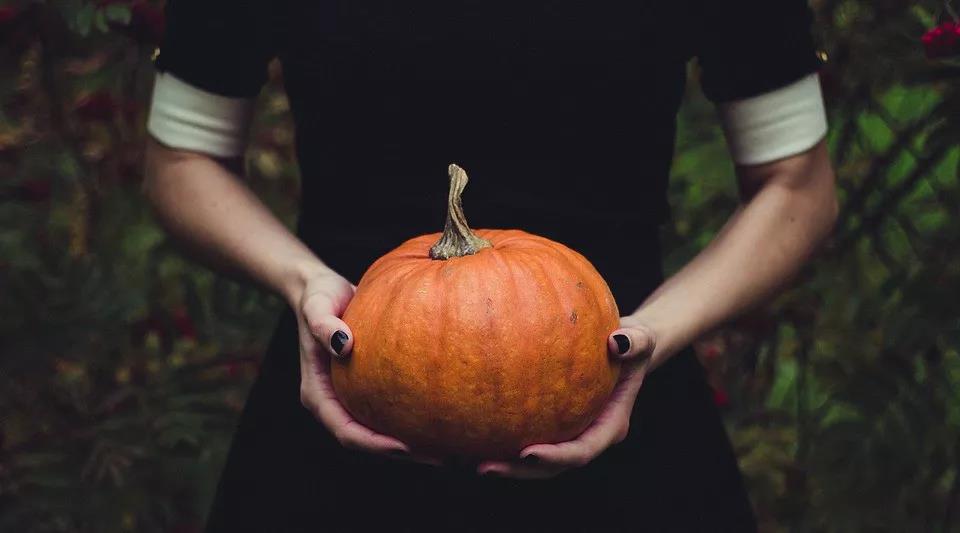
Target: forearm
[
  {"x": 788, "y": 210},
  {"x": 207, "y": 208}
]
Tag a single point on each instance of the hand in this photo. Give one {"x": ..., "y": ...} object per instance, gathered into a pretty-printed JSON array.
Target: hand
[
  {"x": 633, "y": 343},
  {"x": 324, "y": 335}
]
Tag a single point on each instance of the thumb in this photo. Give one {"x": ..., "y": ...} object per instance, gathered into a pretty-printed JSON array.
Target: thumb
[
  {"x": 634, "y": 342},
  {"x": 332, "y": 333}
]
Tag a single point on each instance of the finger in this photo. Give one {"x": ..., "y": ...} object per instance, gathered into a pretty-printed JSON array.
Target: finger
[
  {"x": 571, "y": 454},
  {"x": 634, "y": 342},
  {"x": 318, "y": 396},
  {"x": 332, "y": 333},
  {"x": 522, "y": 469},
  {"x": 355, "y": 436},
  {"x": 609, "y": 428}
]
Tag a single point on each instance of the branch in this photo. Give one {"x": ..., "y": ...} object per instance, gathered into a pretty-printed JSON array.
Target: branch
[{"x": 870, "y": 221}]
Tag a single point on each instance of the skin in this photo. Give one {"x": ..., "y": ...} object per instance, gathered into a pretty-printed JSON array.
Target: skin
[{"x": 787, "y": 209}]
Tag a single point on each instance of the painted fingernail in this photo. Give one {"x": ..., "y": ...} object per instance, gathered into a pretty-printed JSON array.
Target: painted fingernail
[
  {"x": 623, "y": 343},
  {"x": 338, "y": 340},
  {"x": 491, "y": 473},
  {"x": 531, "y": 459},
  {"x": 399, "y": 453}
]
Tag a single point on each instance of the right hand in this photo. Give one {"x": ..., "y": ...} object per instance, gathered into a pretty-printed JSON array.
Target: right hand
[{"x": 324, "y": 335}]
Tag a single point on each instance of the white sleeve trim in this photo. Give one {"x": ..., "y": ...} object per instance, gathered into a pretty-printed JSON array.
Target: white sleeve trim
[
  {"x": 777, "y": 124},
  {"x": 187, "y": 117}
]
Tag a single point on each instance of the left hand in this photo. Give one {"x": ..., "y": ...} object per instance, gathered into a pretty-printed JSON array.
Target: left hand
[{"x": 634, "y": 343}]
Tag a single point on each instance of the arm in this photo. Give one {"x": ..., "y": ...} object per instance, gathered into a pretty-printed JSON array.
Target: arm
[
  {"x": 788, "y": 208},
  {"x": 207, "y": 208},
  {"x": 200, "y": 110}
]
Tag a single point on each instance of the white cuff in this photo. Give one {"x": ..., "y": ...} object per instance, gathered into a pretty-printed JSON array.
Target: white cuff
[
  {"x": 187, "y": 117},
  {"x": 777, "y": 124}
]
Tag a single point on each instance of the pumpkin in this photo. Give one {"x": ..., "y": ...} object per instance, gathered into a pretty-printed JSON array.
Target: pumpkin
[{"x": 475, "y": 345}]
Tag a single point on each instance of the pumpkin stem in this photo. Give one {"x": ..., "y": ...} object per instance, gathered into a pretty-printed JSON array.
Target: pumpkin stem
[{"x": 457, "y": 239}]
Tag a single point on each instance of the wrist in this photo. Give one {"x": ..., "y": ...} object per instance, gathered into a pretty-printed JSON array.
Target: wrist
[
  {"x": 670, "y": 336},
  {"x": 298, "y": 274}
]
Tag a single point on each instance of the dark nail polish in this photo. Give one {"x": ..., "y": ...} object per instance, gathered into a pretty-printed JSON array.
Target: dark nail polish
[
  {"x": 623, "y": 343},
  {"x": 338, "y": 340},
  {"x": 531, "y": 459},
  {"x": 491, "y": 474},
  {"x": 399, "y": 453}
]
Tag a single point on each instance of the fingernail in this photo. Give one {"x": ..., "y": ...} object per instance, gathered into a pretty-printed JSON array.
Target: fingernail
[
  {"x": 623, "y": 343},
  {"x": 399, "y": 453},
  {"x": 338, "y": 340},
  {"x": 531, "y": 459},
  {"x": 491, "y": 473}
]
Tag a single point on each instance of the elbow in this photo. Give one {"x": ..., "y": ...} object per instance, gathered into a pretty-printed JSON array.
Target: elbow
[
  {"x": 823, "y": 213},
  {"x": 814, "y": 179},
  {"x": 827, "y": 217},
  {"x": 152, "y": 171},
  {"x": 831, "y": 203},
  {"x": 833, "y": 211}
]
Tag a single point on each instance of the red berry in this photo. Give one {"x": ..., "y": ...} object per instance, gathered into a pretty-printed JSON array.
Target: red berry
[
  {"x": 184, "y": 324},
  {"x": 942, "y": 41},
  {"x": 720, "y": 397},
  {"x": 8, "y": 14}
]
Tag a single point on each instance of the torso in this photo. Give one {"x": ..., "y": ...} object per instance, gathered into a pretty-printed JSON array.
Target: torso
[{"x": 562, "y": 113}]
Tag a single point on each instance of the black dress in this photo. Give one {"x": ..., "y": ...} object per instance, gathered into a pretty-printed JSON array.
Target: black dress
[{"x": 563, "y": 113}]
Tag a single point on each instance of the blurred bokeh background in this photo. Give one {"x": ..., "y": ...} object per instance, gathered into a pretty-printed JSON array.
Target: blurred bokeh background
[{"x": 123, "y": 365}]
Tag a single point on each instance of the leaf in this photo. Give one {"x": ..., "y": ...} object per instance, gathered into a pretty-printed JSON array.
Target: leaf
[
  {"x": 925, "y": 17},
  {"x": 783, "y": 393},
  {"x": 83, "y": 21},
  {"x": 118, "y": 13},
  {"x": 100, "y": 21}
]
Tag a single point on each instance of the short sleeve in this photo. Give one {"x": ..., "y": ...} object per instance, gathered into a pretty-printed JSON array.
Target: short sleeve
[
  {"x": 219, "y": 46},
  {"x": 759, "y": 65},
  {"x": 212, "y": 63},
  {"x": 750, "y": 47}
]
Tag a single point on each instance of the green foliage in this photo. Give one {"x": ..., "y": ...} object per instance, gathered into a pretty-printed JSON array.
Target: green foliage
[
  {"x": 123, "y": 365},
  {"x": 847, "y": 411}
]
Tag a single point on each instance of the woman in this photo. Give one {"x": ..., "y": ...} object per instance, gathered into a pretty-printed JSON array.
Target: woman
[{"x": 564, "y": 115}]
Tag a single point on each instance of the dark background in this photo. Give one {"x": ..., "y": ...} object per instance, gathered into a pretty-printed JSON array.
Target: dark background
[{"x": 123, "y": 365}]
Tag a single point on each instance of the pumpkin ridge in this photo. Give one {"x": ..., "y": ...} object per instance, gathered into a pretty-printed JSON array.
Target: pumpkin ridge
[
  {"x": 503, "y": 237},
  {"x": 520, "y": 275},
  {"x": 568, "y": 304},
  {"x": 564, "y": 303},
  {"x": 535, "y": 273},
  {"x": 578, "y": 262},
  {"x": 475, "y": 356},
  {"x": 501, "y": 356}
]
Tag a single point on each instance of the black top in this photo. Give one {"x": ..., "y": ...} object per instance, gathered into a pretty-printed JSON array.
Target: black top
[{"x": 563, "y": 113}]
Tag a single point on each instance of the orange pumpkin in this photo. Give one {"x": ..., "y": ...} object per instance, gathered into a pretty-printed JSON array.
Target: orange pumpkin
[{"x": 480, "y": 344}]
